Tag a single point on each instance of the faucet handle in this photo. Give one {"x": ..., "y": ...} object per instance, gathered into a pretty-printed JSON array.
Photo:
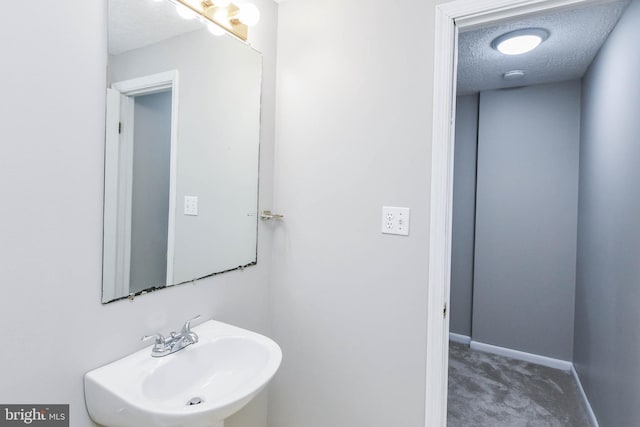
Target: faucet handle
[
  {"x": 186, "y": 329},
  {"x": 159, "y": 343},
  {"x": 159, "y": 338}
]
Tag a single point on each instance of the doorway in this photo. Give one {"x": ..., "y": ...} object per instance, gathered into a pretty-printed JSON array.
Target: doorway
[
  {"x": 450, "y": 18},
  {"x": 140, "y": 158}
]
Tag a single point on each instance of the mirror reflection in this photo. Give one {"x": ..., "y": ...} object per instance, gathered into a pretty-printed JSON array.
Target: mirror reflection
[{"x": 181, "y": 150}]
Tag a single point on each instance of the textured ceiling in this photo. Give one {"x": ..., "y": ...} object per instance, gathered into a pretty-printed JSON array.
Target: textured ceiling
[
  {"x": 575, "y": 37},
  {"x": 137, "y": 23}
]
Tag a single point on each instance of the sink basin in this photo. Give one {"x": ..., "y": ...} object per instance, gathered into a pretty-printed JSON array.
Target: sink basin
[{"x": 198, "y": 386}]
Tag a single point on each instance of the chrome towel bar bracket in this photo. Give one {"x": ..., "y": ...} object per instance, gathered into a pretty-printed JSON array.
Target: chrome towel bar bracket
[{"x": 268, "y": 215}]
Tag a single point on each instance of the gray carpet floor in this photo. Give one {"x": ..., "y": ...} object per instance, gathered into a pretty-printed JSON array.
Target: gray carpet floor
[{"x": 486, "y": 390}]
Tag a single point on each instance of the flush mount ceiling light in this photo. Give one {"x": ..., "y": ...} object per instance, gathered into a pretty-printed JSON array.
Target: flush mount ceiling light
[
  {"x": 520, "y": 41},
  {"x": 221, "y": 15}
]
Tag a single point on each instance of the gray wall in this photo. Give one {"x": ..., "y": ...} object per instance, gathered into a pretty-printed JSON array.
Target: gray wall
[
  {"x": 51, "y": 169},
  {"x": 526, "y": 218},
  {"x": 607, "y": 335},
  {"x": 150, "y": 206},
  {"x": 464, "y": 214}
]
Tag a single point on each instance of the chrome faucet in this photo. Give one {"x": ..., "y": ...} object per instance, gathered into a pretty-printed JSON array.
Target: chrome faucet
[{"x": 175, "y": 342}]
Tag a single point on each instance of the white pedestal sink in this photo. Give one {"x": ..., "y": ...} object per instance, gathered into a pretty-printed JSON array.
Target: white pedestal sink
[{"x": 198, "y": 386}]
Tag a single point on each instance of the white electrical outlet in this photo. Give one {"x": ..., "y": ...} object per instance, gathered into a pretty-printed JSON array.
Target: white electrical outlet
[
  {"x": 395, "y": 220},
  {"x": 191, "y": 205}
]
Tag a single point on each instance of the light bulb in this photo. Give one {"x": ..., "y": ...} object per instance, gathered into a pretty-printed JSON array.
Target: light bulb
[
  {"x": 249, "y": 14},
  {"x": 215, "y": 30},
  {"x": 222, "y": 17},
  {"x": 185, "y": 12},
  {"x": 221, "y": 3},
  {"x": 519, "y": 45}
]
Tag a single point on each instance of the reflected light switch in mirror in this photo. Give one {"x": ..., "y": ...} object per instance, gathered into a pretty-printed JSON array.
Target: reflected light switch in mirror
[{"x": 191, "y": 205}]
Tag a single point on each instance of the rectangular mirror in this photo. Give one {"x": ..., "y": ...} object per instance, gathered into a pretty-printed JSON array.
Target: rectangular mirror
[{"x": 181, "y": 150}]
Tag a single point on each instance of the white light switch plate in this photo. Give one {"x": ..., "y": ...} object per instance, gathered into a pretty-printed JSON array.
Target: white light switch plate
[
  {"x": 191, "y": 205},
  {"x": 395, "y": 220}
]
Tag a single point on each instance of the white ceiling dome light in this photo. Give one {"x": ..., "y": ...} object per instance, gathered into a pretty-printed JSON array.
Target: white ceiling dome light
[{"x": 520, "y": 41}]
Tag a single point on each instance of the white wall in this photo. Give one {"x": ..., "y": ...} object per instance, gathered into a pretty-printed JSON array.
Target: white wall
[
  {"x": 354, "y": 132},
  {"x": 51, "y": 180}
]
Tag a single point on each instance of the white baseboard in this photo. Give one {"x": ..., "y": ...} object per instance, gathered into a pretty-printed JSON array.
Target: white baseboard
[
  {"x": 590, "y": 414},
  {"x": 564, "y": 365},
  {"x": 461, "y": 339}
]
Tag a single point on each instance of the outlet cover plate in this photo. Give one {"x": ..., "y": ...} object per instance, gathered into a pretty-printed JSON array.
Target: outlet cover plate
[
  {"x": 395, "y": 220},
  {"x": 191, "y": 205}
]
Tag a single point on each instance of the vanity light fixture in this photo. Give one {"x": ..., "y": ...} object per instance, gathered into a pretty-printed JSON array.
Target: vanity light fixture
[
  {"x": 520, "y": 41},
  {"x": 221, "y": 15}
]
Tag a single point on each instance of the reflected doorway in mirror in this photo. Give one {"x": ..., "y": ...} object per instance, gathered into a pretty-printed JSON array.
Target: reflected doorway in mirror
[{"x": 140, "y": 161}]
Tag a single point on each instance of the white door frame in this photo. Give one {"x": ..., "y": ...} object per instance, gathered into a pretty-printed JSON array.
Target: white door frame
[
  {"x": 449, "y": 19},
  {"x": 115, "y": 274},
  {"x": 116, "y": 282}
]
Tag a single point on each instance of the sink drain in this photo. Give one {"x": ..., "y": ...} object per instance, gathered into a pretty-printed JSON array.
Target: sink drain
[{"x": 194, "y": 401}]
